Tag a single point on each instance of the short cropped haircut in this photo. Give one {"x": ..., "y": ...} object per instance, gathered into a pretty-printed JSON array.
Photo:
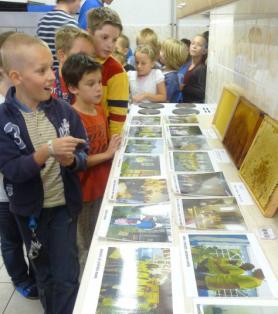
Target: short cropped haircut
[
  {"x": 11, "y": 54},
  {"x": 124, "y": 41},
  {"x": 66, "y": 36},
  {"x": 148, "y": 50},
  {"x": 175, "y": 53},
  {"x": 97, "y": 18},
  {"x": 3, "y": 37},
  {"x": 76, "y": 66}
]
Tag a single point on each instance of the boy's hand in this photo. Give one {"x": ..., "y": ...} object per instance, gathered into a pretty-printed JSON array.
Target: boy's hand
[
  {"x": 114, "y": 145},
  {"x": 65, "y": 146},
  {"x": 65, "y": 161}
]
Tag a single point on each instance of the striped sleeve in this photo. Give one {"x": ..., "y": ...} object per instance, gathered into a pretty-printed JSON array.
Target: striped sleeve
[{"x": 115, "y": 85}]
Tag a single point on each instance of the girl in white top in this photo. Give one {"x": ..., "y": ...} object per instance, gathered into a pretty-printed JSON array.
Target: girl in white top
[{"x": 146, "y": 83}]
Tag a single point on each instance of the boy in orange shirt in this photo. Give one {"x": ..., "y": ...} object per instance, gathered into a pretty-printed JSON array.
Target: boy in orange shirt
[
  {"x": 83, "y": 77},
  {"x": 69, "y": 40}
]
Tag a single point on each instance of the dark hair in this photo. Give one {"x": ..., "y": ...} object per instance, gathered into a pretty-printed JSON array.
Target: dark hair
[
  {"x": 76, "y": 66},
  {"x": 186, "y": 41}
]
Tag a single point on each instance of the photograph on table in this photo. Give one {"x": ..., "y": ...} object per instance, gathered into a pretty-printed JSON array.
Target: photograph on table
[
  {"x": 144, "y": 146},
  {"x": 191, "y": 162},
  {"x": 137, "y": 223},
  {"x": 201, "y": 184},
  {"x": 210, "y": 214},
  {"x": 184, "y": 130},
  {"x": 188, "y": 143},
  {"x": 134, "y": 280},
  {"x": 235, "y": 306},
  {"x": 242, "y": 130},
  {"x": 259, "y": 169},
  {"x": 181, "y": 119},
  {"x": 148, "y": 120},
  {"x": 226, "y": 265},
  {"x": 145, "y": 131},
  {"x": 132, "y": 165},
  {"x": 139, "y": 191}
]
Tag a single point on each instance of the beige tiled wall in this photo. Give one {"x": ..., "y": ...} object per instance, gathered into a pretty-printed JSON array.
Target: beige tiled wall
[{"x": 243, "y": 52}]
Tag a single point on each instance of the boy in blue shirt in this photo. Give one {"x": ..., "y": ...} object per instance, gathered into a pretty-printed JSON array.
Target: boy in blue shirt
[
  {"x": 42, "y": 143},
  {"x": 86, "y": 6}
]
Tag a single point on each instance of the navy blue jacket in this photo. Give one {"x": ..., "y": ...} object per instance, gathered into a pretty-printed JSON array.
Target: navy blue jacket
[{"x": 22, "y": 179}]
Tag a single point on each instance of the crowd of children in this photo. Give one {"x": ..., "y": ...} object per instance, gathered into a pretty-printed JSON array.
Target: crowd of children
[{"x": 60, "y": 126}]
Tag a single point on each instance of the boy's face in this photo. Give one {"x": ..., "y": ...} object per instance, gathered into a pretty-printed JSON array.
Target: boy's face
[
  {"x": 35, "y": 78},
  {"x": 119, "y": 46},
  {"x": 143, "y": 64},
  {"x": 89, "y": 88},
  {"x": 74, "y": 6},
  {"x": 105, "y": 40},
  {"x": 80, "y": 45}
]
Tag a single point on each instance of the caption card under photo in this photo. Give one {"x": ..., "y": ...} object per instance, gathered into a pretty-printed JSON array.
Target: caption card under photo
[{"x": 241, "y": 193}]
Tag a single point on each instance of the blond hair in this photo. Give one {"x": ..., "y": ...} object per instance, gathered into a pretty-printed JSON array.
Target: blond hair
[
  {"x": 124, "y": 41},
  {"x": 148, "y": 36},
  {"x": 148, "y": 50},
  {"x": 12, "y": 50},
  {"x": 97, "y": 18},
  {"x": 66, "y": 36},
  {"x": 175, "y": 53}
]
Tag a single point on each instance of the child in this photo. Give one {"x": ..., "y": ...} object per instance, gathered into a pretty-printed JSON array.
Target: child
[
  {"x": 83, "y": 78},
  {"x": 146, "y": 84},
  {"x": 195, "y": 78},
  {"x": 148, "y": 36},
  {"x": 105, "y": 27},
  {"x": 42, "y": 144},
  {"x": 60, "y": 16},
  {"x": 172, "y": 55},
  {"x": 11, "y": 242},
  {"x": 69, "y": 40},
  {"x": 122, "y": 47}
]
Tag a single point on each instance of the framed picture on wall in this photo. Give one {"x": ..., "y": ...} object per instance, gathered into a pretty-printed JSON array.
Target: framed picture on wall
[
  {"x": 242, "y": 130},
  {"x": 225, "y": 110},
  {"x": 259, "y": 169}
]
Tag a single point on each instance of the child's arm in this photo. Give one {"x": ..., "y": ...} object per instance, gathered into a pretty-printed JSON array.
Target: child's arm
[
  {"x": 160, "y": 95},
  {"x": 113, "y": 146}
]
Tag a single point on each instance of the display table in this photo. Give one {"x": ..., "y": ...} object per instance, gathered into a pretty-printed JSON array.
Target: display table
[{"x": 184, "y": 297}]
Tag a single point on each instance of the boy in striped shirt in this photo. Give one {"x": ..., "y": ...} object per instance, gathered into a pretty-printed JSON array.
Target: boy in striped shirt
[
  {"x": 60, "y": 16},
  {"x": 105, "y": 27}
]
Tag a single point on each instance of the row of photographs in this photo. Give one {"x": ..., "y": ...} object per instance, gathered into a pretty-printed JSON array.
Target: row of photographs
[{"x": 141, "y": 278}]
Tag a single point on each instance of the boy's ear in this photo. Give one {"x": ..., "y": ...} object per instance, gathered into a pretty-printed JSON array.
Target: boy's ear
[
  {"x": 61, "y": 56},
  {"x": 73, "y": 89},
  {"x": 15, "y": 77}
]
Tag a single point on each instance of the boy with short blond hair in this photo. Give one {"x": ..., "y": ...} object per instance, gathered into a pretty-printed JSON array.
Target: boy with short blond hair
[
  {"x": 69, "y": 40},
  {"x": 104, "y": 25},
  {"x": 43, "y": 144}
]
